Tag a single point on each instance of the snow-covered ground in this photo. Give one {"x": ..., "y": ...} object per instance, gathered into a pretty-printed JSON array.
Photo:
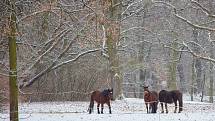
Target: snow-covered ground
[{"x": 129, "y": 109}]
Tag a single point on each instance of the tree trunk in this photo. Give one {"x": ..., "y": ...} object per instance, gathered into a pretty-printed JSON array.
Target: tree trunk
[
  {"x": 192, "y": 79},
  {"x": 112, "y": 29},
  {"x": 203, "y": 86},
  {"x": 198, "y": 63},
  {"x": 211, "y": 72},
  {"x": 211, "y": 64},
  {"x": 142, "y": 79},
  {"x": 180, "y": 69},
  {"x": 141, "y": 73},
  {"x": 12, "y": 58},
  {"x": 172, "y": 67}
]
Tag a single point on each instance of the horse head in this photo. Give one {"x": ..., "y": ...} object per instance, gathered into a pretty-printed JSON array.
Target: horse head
[
  {"x": 146, "y": 91},
  {"x": 146, "y": 88},
  {"x": 110, "y": 94}
]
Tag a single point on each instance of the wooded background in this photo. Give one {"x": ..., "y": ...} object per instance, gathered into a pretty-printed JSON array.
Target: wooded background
[{"x": 68, "y": 48}]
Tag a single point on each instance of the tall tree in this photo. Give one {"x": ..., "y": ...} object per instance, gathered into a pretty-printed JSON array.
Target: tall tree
[
  {"x": 173, "y": 63},
  {"x": 192, "y": 79},
  {"x": 12, "y": 57},
  {"x": 112, "y": 29},
  {"x": 211, "y": 73}
]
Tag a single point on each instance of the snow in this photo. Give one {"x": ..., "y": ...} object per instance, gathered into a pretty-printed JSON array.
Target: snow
[{"x": 129, "y": 109}]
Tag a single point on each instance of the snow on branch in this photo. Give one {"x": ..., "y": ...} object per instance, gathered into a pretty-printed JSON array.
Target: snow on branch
[
  {"x": 130, "y": 6},
  {"x": 34, "y": 14},
  {"x": 184, "y": 19},
  {"x": 61, "y": 34},
  {"x": 189, "y": 50},
  {"x": 205, "y": 10},
  {"x": 77, "y": 57},
  {"x": 49, "y": 68},
  {"x": 194, "y": 25}
]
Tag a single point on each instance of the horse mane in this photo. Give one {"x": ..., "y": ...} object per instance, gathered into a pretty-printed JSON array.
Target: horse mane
[{"x": 105, "y": 92}]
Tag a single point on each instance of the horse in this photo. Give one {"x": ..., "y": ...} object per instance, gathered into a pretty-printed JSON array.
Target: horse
[
  {"x": 101, "y": 98},
  {"x": 170, "y": 97},
  {"x": 151, "y": 99}
]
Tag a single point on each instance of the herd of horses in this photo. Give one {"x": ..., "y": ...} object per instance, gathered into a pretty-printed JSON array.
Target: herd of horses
[{"x": 151, "y": 98}]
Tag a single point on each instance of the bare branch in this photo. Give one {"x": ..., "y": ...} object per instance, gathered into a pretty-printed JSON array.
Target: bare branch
[
  {"x": 184, "y": 19},
  {"x": 130, "y": 6},
  {"x": 61, "y": 34},
  {"x": 189, "y": 50},
  {"x": 34, "y": 14},
  {"x": 77, "y": 57},
  {"x": 48, "y": 69},
  {"x": 138, "y": 10},
  {"x": 206, "y": 11},
  {"x": 194, "y": 25}
]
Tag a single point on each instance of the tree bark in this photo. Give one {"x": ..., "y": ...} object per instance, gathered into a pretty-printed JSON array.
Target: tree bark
[
  {"x": 172, "y": 67},
  {"x": 180, "y": 69},
  {"x": 211, "y": 72},
  {"x": 112, "y": 29},
  {"x": 13, "y": 88},
  {"x": 192, "y": 79},
  {"x": 198, "y": 63}
]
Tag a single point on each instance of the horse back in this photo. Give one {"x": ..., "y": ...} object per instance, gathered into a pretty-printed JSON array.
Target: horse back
[
  {"x": 95, "y": 95},
  {"x": 155, "y": 95},
  {"x": 165, "y": 96},
  {"x": 99, "y": 97},
  {"x": 170, "y": 96},
  {"x": 176, "y": 95}
]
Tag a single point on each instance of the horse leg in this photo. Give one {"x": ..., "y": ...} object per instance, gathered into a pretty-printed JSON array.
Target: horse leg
[
  {"x": 151, "y": 108},
  {"x": 108, "y": 103},
  {"x": 162, "y": 111},
  {"x": 166, "y": 107},
  {"x": 180, "y": 104},
  {"x": 175, "y": 106},
  {"x": 91, "y": 106},
  {"x": 98, "y": 108},
  {"x": 154, "y": 107},
  {"x": 102, "y": 107},
  {"x": 147, "y": 107}
]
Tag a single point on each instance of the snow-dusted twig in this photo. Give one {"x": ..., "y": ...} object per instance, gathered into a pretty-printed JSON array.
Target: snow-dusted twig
[
  {"x": 205, "y": 10},
  {"x": 131, "y": 6},
  {"x": 184, "y": 19},
  {"x": 56, "y": 93},
  {"x": 194, "y": 25}
]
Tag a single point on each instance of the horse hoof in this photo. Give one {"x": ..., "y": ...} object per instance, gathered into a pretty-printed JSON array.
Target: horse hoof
[{"x": 162, "y": 111}]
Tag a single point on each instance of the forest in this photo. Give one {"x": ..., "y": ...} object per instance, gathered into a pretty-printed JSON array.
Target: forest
[{"x": 62, "y": 50}]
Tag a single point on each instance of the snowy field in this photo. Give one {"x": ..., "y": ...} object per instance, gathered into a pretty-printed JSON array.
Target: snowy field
[{"x": 129, "y": 109}]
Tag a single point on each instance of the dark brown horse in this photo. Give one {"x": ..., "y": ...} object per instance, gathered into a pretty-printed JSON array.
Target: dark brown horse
[
  {"x": 151, "y": 99},
  {"x": 170, "y": 97},
  {"x": 101, "y": 98}
]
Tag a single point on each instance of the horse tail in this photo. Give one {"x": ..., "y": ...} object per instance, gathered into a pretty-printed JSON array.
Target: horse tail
[
  {"x": 180, "y": 102},
  {"x": 91, "y": 104}
]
